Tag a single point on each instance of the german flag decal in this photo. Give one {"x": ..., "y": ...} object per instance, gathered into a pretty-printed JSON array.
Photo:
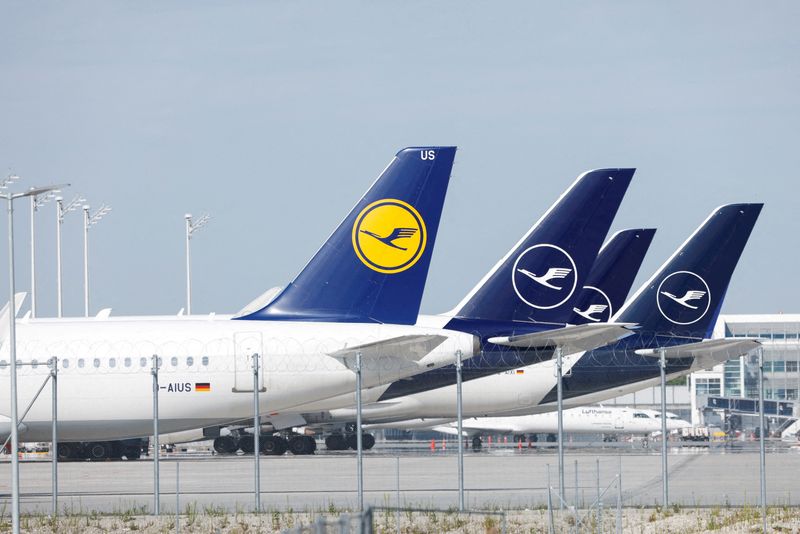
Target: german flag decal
[
  {"x": 202, "y": 386},
  {"x": 520, "y": 371}
]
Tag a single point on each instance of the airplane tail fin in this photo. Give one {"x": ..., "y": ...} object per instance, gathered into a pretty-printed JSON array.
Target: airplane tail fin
[
  {"x": 685, "y": 295},
  {"x": 374, "y": 266},
  {"x": 612, "y": 276},
  {"x": 538, "y": 278}
]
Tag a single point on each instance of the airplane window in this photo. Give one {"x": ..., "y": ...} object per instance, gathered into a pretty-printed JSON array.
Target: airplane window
[
  {"x": 174, "y": 361},
  {"x": 65, "y": 363},
  {"x": 80, "y": 363},
  {"x": 35, "y": 363},
  {"x": 160, "y": 362},
  {"x": 127, "y": 362},
  {"x": 112, "y": 362},
  {"x": 142, "y": 362},
  {"x": 96, "y": 362},
  {"x": 189, "y": 361},
  {"x": 205, "y": 360}
]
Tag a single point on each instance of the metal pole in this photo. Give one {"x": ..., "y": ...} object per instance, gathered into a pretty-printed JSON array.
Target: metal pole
[
  {"x": 12, "y": 345},
  {"x": 156, "y": 446},
  {"x": 54, "y": 441},
  {"x": 761, "y": 429},
  {"x": 59, "y": 221},
  {"x": 188, "y": 265},
  {"x": 33, "y": 257},
  {"x": 664, "y": 473},
  {"x": 177, "y": 497},
  {"x": 551, "y": 525},
  {"x": 599, "y": 501},
  {"x": 397, "y": 506},
  {"x": 256, "y": 435},
  {"x": 359, "y": 450},
  {"x": 460, "y": 415},
  {"x": 619, "y": 497},
  {"x": 577, "y": 495},
  {"x": 560, "y": 400},
  {"x": 86, "y": 261}
]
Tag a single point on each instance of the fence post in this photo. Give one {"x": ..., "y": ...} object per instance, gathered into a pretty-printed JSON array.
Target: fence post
[{"x": 156, "y": 446}]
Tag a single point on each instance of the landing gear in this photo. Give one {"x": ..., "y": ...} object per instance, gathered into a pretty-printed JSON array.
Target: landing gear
[
  {"x": 67, "y": 451},
  {"x": 301, "y": 445},
  {"x": 273, "y": 445},
  {"x": 552, "y": 438},
  {"x": 226, "y": 445},
  {"x": 336, "y": 442},
  {"x": 98, "y": 450},
  {"x": 247, "y": 444},
  {"x": 477, "y": 443},
  {"x": 367, "y": 441}
]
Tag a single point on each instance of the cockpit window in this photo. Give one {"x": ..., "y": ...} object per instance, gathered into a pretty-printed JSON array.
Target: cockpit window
[{"x": 641, "y": 415}]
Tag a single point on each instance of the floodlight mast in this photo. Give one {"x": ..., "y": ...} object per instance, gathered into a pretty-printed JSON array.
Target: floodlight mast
[
  {"x": 89, "y": 220},
  {"x": 61, "y": 211},
  {"x": 191, "y": 227},
  {"x": 37, "y": 201},
  {"x": 12, "y": 340}
]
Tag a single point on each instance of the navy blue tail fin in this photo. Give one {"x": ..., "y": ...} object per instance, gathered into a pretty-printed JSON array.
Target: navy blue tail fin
[
  {"x": 538, "y": 278},
  {"x": 374, "y": 266},
  {"x": 612, "y": 276},
  {"x": 685, "y": 295}
]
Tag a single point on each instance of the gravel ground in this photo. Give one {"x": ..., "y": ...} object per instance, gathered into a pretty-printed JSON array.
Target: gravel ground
[{"x": 640, "y": 521}]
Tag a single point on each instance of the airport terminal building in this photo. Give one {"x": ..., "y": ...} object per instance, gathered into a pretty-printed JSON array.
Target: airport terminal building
[{"x": 738, "y": 378}]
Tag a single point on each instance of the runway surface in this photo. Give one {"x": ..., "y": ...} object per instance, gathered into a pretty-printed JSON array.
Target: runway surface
[{"x": 503, "y": 477}]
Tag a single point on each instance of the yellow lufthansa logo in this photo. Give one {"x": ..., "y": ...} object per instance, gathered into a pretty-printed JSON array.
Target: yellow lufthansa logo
[{"x": 389, "y": 236}]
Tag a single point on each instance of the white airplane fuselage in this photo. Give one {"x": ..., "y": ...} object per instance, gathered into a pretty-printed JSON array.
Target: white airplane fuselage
[
  {"x": 105, "y": 385},
  {"x": 583, "y": 420}
]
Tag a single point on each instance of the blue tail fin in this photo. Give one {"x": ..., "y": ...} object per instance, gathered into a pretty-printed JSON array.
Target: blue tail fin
[
  {"x": 537, "y": 279},
  {"x": 373, "y": 268},
  {"x": 612, "y": 276},
  {"x": 685, "y": 295}
]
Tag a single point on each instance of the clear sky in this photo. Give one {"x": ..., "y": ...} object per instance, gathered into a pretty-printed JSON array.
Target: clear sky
[{"x": 274, "y": 117}]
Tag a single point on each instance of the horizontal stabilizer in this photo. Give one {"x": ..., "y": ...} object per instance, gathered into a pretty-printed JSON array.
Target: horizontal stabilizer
[
  {"x": 709, "y": 352},
  {"x": 408, "y": 348},
  {"x": 571, "y": 339}
]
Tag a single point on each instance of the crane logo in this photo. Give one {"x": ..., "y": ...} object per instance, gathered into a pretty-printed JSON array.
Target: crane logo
[
  {"x": 596, "y": 305},
  {"x": 683, "y": 298},
  {"x": 389, "y": 236},
  {"x": 544, "y": 276}
]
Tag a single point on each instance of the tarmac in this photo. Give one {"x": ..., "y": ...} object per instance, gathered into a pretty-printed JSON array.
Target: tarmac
[{"x": 503, "y": 477}]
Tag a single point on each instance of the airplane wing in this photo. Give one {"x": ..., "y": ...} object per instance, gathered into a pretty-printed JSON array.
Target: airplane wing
[
  {"x": 409, "y": 348},
  {"x": 709, "y": 352},
  {"x": 571, "y": 338}
]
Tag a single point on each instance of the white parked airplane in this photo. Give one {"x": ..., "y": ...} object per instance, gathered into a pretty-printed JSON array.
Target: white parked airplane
[
  {"x": 356, "y": 295},
  {"x": 605, "y": 420}
]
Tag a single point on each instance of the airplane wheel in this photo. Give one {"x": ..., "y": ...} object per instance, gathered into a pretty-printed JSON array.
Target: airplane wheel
[
  {"x": 98, "y": 450},
  {"x": 132, "y": 453},
  {"x": 552, "y": 438},
  {"x": 301, "y": 445},
  {"x": 247, "y": 444},
  {"x": 67, "y": 451},
  {"x": 477, "y": 443},
  {"x": 283, "y": 445},
  {"x": 225, "y": 445},
  {"x": 271, "y": 445},
  {"x": 367, "y": 441},
  {"x": 534, "y": 438},
  {"x": 336, "y": 442}
]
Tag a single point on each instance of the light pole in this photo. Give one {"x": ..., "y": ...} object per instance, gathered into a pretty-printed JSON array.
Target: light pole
[
  {"x": 62, "y": 210},
  {"x": 191, "y": 227},
  {"x": 89, "y": 220},
  {"x": 560, "y": 415},
  {"x": 37, "y": 201},
  {"x": 12, "y": 344}
]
